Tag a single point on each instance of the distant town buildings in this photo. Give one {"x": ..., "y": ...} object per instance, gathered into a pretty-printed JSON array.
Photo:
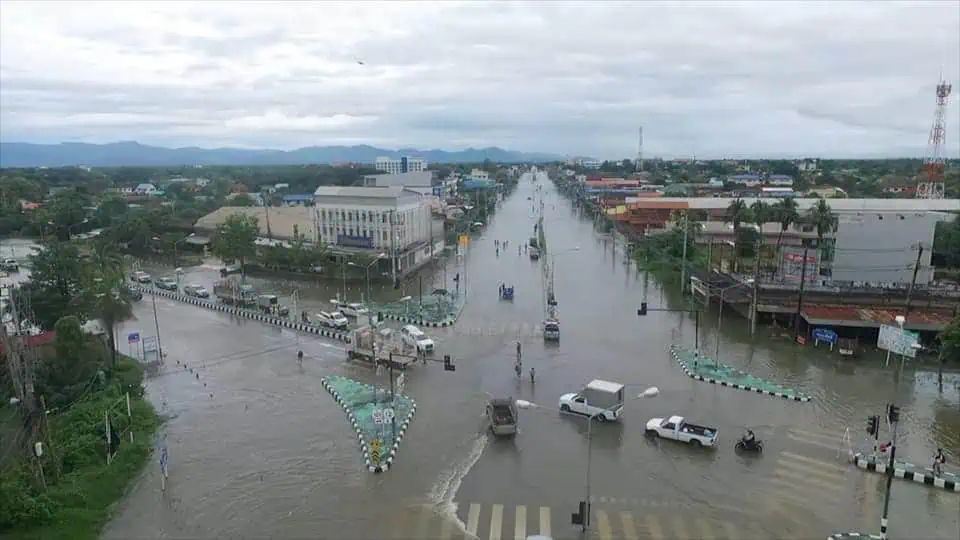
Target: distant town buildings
[{"x": 399, "y": 166}]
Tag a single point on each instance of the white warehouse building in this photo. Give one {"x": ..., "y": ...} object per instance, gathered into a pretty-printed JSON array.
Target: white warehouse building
[{"x": 378, "y": 220}]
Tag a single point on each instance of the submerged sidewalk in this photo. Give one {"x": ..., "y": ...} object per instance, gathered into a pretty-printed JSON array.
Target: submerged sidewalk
[
  {"x": 438, "y": 311},
  {"x": 380, "y": 424},
  {"x": 702, "y": 368}
]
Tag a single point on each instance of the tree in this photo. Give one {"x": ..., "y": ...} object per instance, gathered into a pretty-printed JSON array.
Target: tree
[
  {"x": 235, "y": 239},
  {"x": 787, "y": 213},
  {"x": 949, "y": 339},
  {"x": 761, "y": 213},
  {"x": 947, "y": 242},
  {"x": 737, "y": 213},
  {"x": 66, "y": 211},
  {"x": 823, "y": 219},
  {"x": 56, "y": 280},
  {"x": 69, "y": 373},
  {"x": 240, "y": 200},
  {"x": 107, "y": 297}
]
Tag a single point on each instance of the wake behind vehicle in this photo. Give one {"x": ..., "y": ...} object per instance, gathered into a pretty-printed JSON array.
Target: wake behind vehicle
[
  {"x": 600, "y": 399},
  {"x": 678, "y": 429}
]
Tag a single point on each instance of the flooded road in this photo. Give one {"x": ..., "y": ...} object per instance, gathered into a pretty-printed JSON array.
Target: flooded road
[{"x": 258, "y": 448}]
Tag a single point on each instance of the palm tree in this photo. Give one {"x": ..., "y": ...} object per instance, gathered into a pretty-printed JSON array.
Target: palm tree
[
  {"x": 761, "y": 213},
  {"x": 106, "y": 296},
  {"x": 737, "y": 213},
  {"x": 821, "y": 216},
  {"x": 787, "y": 213}
]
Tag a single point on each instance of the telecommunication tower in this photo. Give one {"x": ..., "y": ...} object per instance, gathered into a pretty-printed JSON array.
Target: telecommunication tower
[
  {"x": 931, "y": 184},
  {"x": 639, "y": 164}
]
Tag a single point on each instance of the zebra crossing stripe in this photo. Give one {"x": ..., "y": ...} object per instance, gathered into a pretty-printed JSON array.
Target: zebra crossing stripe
[
  {"x": 653, "y": 527},
  {"x": 629, "y": 528},
  {"x": 545, "y": 520},
  {"x": 704, "y": 530},
  {"x": 496, "y": 521},
  {"x": 473, "y": 519},
  {"x": 520, "y": 524},
  {"x": 604, "y": 530},
  {"x": 680, "y": 528}
]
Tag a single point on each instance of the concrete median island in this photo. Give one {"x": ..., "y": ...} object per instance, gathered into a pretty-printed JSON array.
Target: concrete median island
[
  {"x": 702, "y": 368},
  {"x": 249, "y": 314},
  {"x": 380, "y": 423}
]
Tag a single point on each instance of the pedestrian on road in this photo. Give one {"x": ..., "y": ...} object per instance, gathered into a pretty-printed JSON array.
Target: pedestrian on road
[
  {"x": 533, "y": 375},
  {"x": 300, "y": 358},
  {"x": 938, "y": 460},
  {"x": 519, "y": 352}
]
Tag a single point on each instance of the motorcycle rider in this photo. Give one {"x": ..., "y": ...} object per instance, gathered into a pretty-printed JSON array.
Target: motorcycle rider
[{"x": 749, "y": 439}]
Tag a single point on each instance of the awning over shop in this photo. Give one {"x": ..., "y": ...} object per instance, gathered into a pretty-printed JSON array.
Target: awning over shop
[{"x": 197, "y": 240}]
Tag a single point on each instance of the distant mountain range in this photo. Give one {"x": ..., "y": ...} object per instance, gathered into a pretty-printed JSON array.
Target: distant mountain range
[{"x": 120, "y": 154}]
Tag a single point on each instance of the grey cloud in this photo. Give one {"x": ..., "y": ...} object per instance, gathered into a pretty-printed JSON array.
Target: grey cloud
[{"x": 739, "y": 78}]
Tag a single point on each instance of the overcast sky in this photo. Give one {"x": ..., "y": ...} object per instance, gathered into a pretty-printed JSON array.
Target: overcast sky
[{"x": 709, "y": 79}]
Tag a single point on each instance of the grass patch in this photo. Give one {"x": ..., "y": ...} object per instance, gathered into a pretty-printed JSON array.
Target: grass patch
[{"x": 77, "y": 503}]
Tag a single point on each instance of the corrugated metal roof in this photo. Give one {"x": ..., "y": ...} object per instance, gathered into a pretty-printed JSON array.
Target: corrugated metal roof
[
  {"x": 838, "y": 205},
  {"x": 875, "y": 316}
]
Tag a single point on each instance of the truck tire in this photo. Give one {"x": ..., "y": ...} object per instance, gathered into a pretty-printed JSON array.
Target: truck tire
[
  {"x": 602, "y": 417},
  {"x": 696, "y": 443},
  {"x": 651, "y": 433},
  {"x": 564, "y": 408}
]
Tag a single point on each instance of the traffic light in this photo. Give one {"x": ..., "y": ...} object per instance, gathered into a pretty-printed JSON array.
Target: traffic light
[
  {"x": 893, "y": 414},
  {"x": 448, "y": 364},
  {"x": 396, "y": 283},
  {"x": 643, "y": 309},
  {"x": 457, "y": 277},
  {"x": 873, "y": 425},
  {"x": 379, "y": 316}
]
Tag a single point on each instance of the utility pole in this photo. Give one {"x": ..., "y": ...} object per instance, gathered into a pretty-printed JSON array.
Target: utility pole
[
  {"x": 49, "y": 438},
  {"x": 893, "y": 415},
  {"x": 683, "y": 267},
  {"x": 913, "y": 282},
  {"x": 393, "y": 250},
  {"x": 756, "y": 289},
  {"x": 266, "y": 208},
  {"x": 803, "y": 280},
  {"x": 156, "y": 322}
]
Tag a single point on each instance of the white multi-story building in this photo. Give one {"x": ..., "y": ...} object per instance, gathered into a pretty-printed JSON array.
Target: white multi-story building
[
  {"x": 379, "y": 220},
  {"x": 480, "y": 174},
  {"x": 399, "y": 166}
]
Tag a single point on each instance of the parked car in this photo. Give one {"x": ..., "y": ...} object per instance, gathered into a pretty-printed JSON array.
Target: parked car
[
  {"x": 332, "y": 319},
  {"x": 352, "y": 309},
  {"x": 678, "y": 429},
  {"x": 603, "y": 400},
  {"x": 167, "y": 283},
  {"x": 230, "y": 270},
  {"x": 196, "y": 290},
  {"x": 10, "y": 265},
  {"x": 414, "y": 337},
  {"x": 141, "y": 277}
]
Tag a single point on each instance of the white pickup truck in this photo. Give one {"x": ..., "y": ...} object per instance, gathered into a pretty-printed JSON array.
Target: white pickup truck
[{"x": 678, "y": 429}]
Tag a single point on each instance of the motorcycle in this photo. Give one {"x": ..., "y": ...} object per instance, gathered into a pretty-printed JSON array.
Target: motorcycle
[{"x": 752, "y": 446}]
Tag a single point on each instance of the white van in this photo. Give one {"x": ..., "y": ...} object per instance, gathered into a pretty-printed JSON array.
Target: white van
[
  {"x": 333, "y": 319},
  {"x": 414, "y": 337}
]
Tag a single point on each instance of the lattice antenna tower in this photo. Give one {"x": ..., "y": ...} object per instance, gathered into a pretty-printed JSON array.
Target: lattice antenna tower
[
  {"x": 931, "y": 185},
  {"x": 639, "y": 164}
]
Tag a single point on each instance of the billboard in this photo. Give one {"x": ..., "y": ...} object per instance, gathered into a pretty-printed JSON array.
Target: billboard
[
  {"x": 354, "y": 241},
  {"x": 792, "y": 265}
]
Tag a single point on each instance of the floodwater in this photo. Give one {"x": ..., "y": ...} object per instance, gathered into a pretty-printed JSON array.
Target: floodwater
[{"x": 258, "y": 449}]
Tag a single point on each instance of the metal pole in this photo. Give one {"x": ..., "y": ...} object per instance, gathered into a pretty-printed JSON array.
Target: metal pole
[
  {"x": 683, "y": 264},
  {"x": 756, "y": 288},
  {"x": 886, "y": 498},
  {"x": 369, "y": 298},
  {"x": 696, "y": 332},
  {"x": 393, "y": 401},
  {"x": 343, "y": 275},
  {"x": 586, "y": 514},
  {"x": 803, "y": 280},
  {"x": 716, "y": 354},
  {"x": 156, "y": 323}
]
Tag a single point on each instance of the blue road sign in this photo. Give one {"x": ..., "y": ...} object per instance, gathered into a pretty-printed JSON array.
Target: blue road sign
[{"x": 825, "y": 334}]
